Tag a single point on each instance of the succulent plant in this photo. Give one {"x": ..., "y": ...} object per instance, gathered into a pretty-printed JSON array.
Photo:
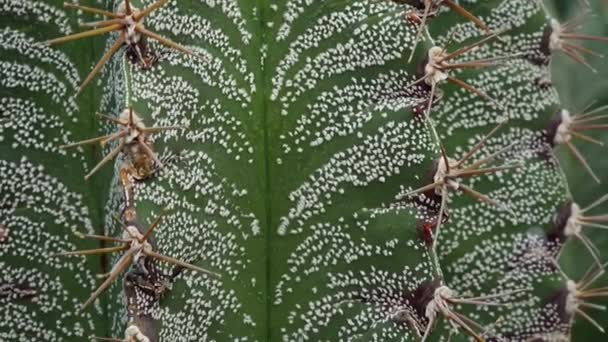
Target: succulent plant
[{"x": 330, "y": 170}]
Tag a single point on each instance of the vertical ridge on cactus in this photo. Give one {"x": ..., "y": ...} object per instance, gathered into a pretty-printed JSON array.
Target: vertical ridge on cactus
[{"x": 296, "y": 178}]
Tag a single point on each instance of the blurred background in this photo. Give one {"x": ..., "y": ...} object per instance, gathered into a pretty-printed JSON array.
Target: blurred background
[{"x": 578, "y": 87}]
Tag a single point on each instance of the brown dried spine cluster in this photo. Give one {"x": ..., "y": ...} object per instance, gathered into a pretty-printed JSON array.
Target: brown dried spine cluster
[{"x": 129, "y": 21}]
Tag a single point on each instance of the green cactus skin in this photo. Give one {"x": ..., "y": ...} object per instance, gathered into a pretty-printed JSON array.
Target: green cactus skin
[{"x": 306, "y": 133}]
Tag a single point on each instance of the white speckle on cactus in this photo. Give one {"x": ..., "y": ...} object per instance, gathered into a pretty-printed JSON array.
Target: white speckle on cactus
[
  {"x": 51, "y": 281},
  {"x": 301, "y": 133}
]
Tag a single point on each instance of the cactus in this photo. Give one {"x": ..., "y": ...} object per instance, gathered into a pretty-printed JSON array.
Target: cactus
[{"x": 298, "y": 170}]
